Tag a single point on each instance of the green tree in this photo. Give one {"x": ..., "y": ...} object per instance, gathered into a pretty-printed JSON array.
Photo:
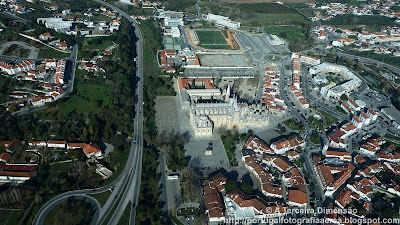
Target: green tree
[
  {"x": 283, "y": 35},
  {"x": 12, "y": 108},
  {"x": 344, "y": 97},
  {"x": 230, "y": 185},
  {"x": 246, "y": 187}
]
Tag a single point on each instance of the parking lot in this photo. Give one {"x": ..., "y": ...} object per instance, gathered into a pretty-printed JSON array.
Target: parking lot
[
  {"x": 223, "y": 60},
  {"x": 369, "y": 96}
]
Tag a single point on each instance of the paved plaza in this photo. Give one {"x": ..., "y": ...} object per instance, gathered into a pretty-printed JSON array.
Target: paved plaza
[{"x": 222, "y": 60}]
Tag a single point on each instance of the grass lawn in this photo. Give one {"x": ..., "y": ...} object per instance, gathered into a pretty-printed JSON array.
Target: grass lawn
[
  {"x": 205, "y": 27},
  {"x": 273, "y": 58},
  {"x": 98, "y": 18},
  {"x": 79, "y": 74},
  {"x": 48, "y": 53},
  {"x": 294, "y": 125},
  {"x": 230, "y": 140},
  {"x": 176, "y": 221},
  {"x": 188, "y": 212},
  {"x": 102, "y": 197},
  {"x": 151, "y": 44},
  {"x": 339, "y": 109},
  {"x": 316, "y": 123},
  {"x": 211, "y": 37},
  {"x": 216, "y": 46},
  {"x": 125, "y": 215},
  {"x": 292, "y": 31},
  {"x": 314, "y": 138},
  {"x": 77, "y": 104},
  {"x": 105, "y": 44},
  {"x": 95, "y": 93},
  {"x": 328, "y": 118}
]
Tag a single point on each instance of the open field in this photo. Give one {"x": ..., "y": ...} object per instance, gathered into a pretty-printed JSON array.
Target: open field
[
  {"x": 256, "y": 14},
  {"x": 290, "y": 32},
  {"x": 102, "y": 197},
  {"x": 78, "y": 105},
  {"x": 211, "y": 37},
  {"x": 100, "y": 46},
  {"x": 48, "y": 53},
  {"x": 95, "y": 93},
  {"x": 151, "y": 44},
  {"x": 257, "y": 19}
]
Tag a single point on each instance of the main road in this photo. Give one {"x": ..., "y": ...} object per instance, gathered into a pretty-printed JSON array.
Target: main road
[{"x": 126, "y": 187}]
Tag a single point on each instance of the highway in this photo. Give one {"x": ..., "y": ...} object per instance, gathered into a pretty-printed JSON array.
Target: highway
[{"x": 126, "y": 187}]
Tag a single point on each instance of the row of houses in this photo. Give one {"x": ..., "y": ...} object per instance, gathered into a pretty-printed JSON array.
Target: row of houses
[
  {"x": 270, "y": 95},
  {"x": 21, "y": 67},
  {"x": 60, "y": 71},
  {"x": 91, "y": 150},
  {"x": 295, "y": 81}
]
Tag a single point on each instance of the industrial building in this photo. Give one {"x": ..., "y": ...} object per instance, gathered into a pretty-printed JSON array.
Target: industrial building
[
  {"x": 393, "y": 114},
  {"x": 57, "y": 24}
]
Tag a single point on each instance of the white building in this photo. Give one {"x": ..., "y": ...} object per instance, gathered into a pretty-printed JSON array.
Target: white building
[
  {"x": 55, "y": 23},
  {"x": 175, "y": 32},
  {"x": 56, "y": 144},
  {"x": 309, "y": 60},
  {"x": 357, "y": 122},
  {"x": 372, "y": 114},
  {"x": 348, "y": 129},
  {"x": 353, "y": 81},
  {"x": 275, "y": 40},
  {"x": 222, "y": 21}
]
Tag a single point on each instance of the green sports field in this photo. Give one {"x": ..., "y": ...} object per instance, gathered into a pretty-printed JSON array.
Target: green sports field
[{"x": 207, "y": 37}]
